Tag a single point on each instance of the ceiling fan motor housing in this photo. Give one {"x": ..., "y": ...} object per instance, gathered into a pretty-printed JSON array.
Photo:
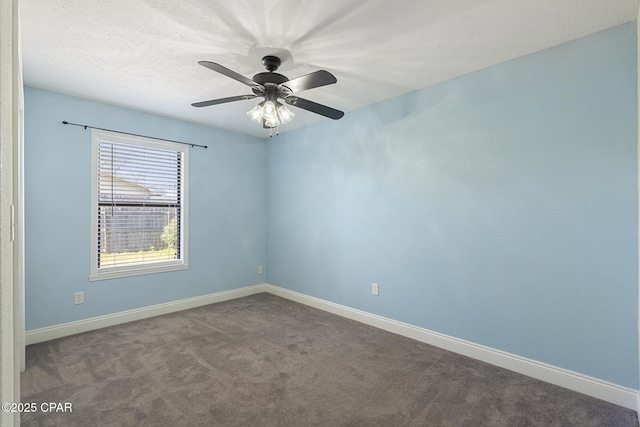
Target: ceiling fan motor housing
[{"x": 269, "y": 79}]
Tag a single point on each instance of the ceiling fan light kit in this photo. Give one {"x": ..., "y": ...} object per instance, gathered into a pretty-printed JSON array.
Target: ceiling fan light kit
[
  {"x": 271, "y": 114},
  {"x": 273, "y": 86}
]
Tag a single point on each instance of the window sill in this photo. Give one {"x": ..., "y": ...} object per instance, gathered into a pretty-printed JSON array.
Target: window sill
[{"x": 136, "y": 271}]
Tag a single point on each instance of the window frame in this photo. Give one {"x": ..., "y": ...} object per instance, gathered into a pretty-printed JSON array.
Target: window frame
[{"x": 112, "y": 272}]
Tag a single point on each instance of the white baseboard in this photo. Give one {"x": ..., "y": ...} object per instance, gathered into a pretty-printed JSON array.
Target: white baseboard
[
  {"x": 590, "y": 386},
  {"x": 58, "y": 331}
]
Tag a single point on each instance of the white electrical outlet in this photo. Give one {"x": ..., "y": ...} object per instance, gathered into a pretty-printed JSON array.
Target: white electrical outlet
[
  {"x": 260, "y": 269},
  {"x": 375, "y": 288},
  {"x": 78, "y": 298}
]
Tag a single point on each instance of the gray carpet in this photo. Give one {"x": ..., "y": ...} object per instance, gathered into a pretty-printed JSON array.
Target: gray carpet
[{"x": 267, "y": 361}]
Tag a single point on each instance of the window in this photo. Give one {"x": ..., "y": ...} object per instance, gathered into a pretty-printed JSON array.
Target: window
[{"x": 139, "y": 200}]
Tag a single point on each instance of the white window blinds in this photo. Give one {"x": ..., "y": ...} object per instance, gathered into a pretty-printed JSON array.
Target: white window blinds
[{"x": 139, "y": 209}]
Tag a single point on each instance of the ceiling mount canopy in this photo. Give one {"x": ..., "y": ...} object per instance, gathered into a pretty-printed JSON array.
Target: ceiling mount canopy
[
  {"x": 271, "y": 63},
  {"x": 274, "y": 87}
]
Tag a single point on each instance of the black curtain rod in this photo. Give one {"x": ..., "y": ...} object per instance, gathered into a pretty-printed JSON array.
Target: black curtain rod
[{"x": 64, "y": 122}]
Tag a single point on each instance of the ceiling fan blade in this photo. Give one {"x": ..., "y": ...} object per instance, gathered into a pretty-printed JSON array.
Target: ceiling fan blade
[
  {"x": 314, "y": 107},
  {"x": 222, "y": 100},
  {"x": 310, "y": 81},
  {"x": 230, "y": 73}
]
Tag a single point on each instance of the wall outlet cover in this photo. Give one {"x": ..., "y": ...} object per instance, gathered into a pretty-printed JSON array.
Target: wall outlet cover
[{"x": 78, "y": 298}]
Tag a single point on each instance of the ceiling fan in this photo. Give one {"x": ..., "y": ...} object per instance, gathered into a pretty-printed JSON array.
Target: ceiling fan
[{"x": 272, "y": 87}]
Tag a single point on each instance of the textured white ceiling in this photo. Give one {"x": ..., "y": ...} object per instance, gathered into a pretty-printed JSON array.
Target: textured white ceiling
[{"x": 143, "y": 54}]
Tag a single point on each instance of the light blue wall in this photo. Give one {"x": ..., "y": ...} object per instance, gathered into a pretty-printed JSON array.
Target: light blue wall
[
  {"x": 499, "y": 207},
  {"x": 226, "y": 211}
]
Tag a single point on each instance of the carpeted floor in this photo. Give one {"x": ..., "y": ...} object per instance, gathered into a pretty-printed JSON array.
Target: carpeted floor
[{"x": 266, "y": 361}]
